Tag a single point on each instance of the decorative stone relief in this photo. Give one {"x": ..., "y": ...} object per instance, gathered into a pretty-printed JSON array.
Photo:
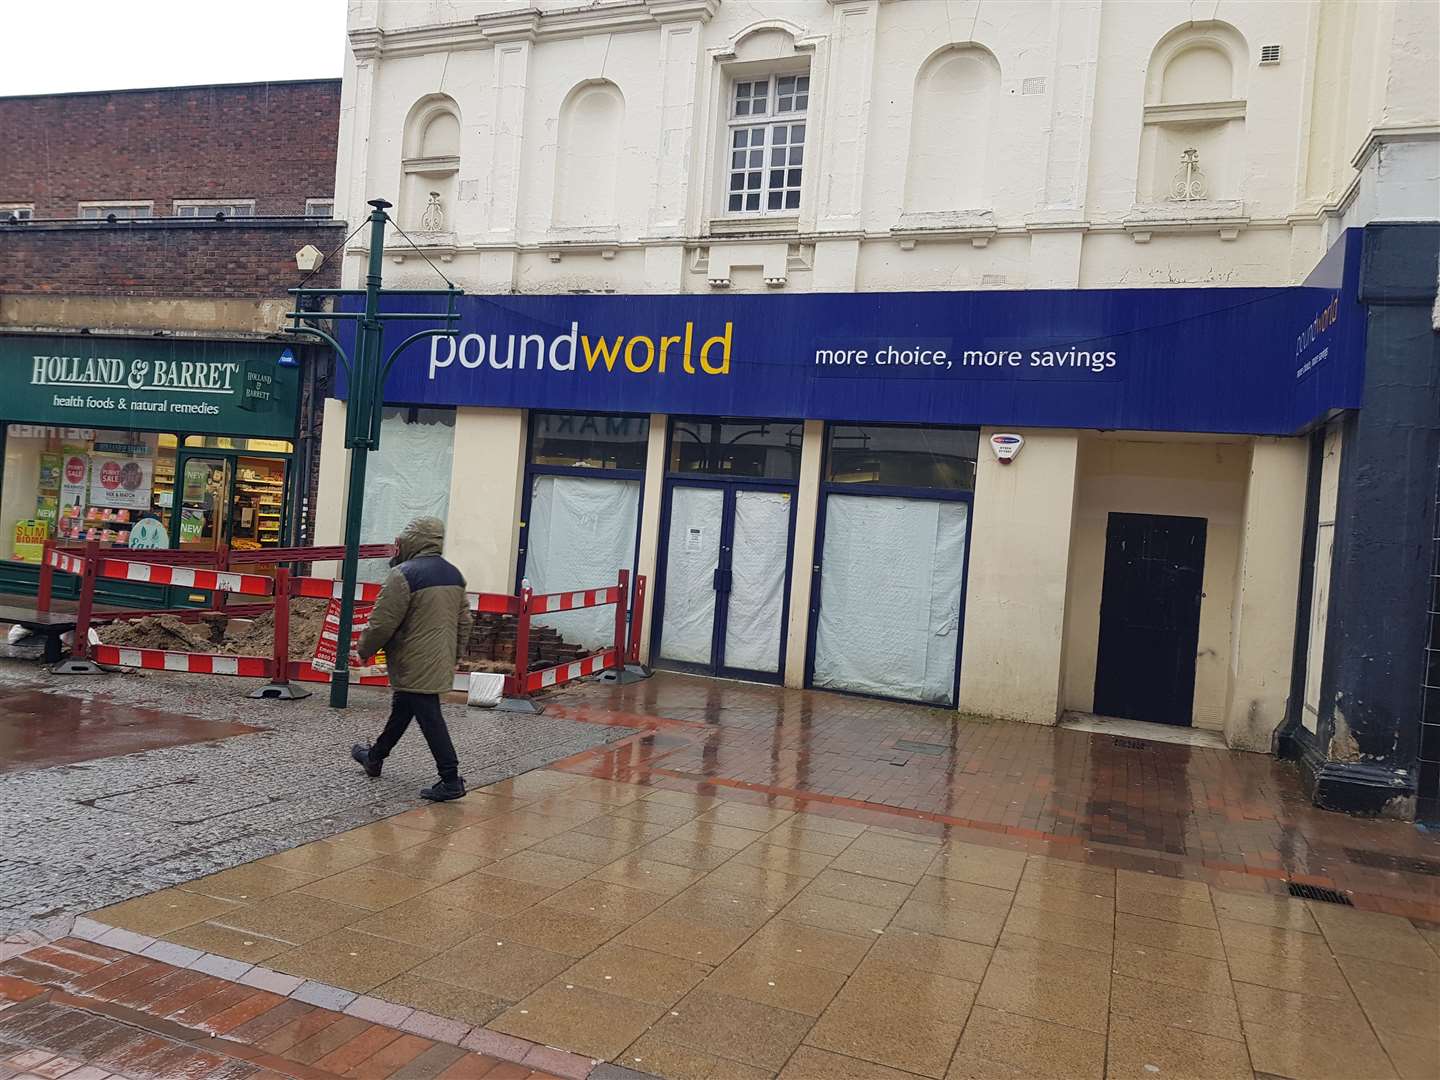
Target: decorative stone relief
[
  {"x": 1189, "y": 184},
  {"x": 432, "y": 218}
]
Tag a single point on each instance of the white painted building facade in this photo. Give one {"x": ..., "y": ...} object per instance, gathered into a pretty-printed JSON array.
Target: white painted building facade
[{"x": 702, "y": 147}]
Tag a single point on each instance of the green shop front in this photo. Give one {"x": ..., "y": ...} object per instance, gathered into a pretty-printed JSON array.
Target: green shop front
[{"x": 144, "y": 443}]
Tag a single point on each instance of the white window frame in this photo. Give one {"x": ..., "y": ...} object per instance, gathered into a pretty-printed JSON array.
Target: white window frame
[
  {"x": 214, "y": 206},
  {"x": 767, "y": 124},
  {"x": 310, "y": 205},
  {"x": 20, "y": 211},
  {"x": 109, "y": 206}
]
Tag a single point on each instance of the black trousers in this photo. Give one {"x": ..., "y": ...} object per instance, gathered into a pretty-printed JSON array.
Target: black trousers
[{"x": 426, "y": 709}]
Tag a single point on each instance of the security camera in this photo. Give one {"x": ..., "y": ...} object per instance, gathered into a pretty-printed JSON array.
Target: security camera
[{"x": 309, "y": 259}]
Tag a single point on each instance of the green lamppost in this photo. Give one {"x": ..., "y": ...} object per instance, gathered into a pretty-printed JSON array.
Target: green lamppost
[{"x": 365, "y": 376}]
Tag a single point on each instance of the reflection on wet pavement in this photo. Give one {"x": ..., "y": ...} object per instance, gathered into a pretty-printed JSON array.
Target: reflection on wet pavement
[
  {"x": 39, "y": 729},
  {"x": 1133, "y": 804},
  {"x": 733, "y": 935}
]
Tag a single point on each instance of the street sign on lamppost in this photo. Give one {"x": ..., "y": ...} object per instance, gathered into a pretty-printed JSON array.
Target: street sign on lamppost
[{"x": 365, "y": 375}]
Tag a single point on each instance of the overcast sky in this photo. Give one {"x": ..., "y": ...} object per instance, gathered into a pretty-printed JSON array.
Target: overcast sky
[{"x": 123, "y": 44}]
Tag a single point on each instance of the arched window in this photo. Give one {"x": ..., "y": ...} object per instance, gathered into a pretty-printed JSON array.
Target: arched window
[
  {"x": 587, "y": 158},
  {"x": 431, "y": 148},
  {"x": 1191, "y": 147},
  {"x": 955, "y": 92}
]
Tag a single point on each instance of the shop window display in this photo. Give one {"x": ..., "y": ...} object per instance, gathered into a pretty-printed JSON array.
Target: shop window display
[
  {"x": 141, "y": 490},
  {"x": 83, "y": 484}
]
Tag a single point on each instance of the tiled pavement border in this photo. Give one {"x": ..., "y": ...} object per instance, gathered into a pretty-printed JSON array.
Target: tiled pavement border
[{"x": 309, "y": 1031}]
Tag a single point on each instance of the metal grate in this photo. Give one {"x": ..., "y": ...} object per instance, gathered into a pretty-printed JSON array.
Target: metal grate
[
  {"x": 1129, "y": 744},
  {"x": 1269, "y": 54},
  {"x": 1033, "y": 85},
  {"x": 1315, "y": 892}
]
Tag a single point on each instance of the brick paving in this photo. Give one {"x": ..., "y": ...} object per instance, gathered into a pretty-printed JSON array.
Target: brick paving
[{"x": 74, "y": 1010}]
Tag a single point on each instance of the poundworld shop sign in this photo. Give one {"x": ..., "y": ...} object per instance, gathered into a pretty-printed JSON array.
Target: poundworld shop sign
[
  {"x": 1256, "y": 361},
  {"x": 208, "y": 387}
]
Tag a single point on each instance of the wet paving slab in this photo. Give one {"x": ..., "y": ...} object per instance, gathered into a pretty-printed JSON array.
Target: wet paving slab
[
  {"x": 39, "y": 729},
  {"x": 120, "y": 784},
  {"x": 1240, "y": 819}
]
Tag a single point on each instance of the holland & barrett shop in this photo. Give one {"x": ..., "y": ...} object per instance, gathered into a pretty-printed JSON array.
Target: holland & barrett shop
[{"x": 143, "y": 443}]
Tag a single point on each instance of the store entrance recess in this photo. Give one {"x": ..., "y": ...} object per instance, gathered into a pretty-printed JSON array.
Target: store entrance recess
[
  {"x": 232, "y": 499},
  {"x": 725, "y": 547},
  {"x": 1150, "y": 617}
]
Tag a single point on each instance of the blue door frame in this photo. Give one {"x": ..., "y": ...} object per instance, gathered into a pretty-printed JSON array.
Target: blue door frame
[
  {"x": 817, "y": 576},
  {"x": 730, "y": 486}
]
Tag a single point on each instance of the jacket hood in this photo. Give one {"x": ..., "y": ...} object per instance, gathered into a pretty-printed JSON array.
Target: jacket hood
[{"x": 423, "y": 536}]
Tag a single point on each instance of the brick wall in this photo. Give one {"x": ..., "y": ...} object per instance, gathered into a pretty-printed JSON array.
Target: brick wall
[
  {"x": 234, "y": 259},
  {"x": 271, "y": 142}
]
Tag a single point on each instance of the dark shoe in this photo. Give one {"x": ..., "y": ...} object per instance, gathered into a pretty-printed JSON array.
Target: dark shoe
[
  {"x": 444, "y": 791},
  {"x": 362, "y": 755}
]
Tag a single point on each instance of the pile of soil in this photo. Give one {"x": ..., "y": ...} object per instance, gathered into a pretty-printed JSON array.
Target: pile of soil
[
  {"x": 307, "y": 619},
  {"x": 167, "y": 632},
  {"x": 212, "y": 632}
]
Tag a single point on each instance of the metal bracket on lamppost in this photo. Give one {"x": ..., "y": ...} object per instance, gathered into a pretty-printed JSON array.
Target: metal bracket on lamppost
[{"x": 365, "y": 378}]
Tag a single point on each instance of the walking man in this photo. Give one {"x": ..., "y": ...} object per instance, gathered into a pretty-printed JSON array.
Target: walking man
[{"x": 422, "y": 621}]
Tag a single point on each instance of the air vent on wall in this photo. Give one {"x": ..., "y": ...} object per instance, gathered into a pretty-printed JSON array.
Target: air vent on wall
[
  {"x": 1269, "y": 54},
  {"x": 1032, "y": 86}
]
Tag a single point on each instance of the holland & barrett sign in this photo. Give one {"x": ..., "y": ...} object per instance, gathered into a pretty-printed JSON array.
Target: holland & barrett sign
[{"x": 209, "y": 387}]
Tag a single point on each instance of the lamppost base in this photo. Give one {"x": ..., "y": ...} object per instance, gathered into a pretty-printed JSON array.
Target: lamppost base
[{"x": 279, "y": 692}]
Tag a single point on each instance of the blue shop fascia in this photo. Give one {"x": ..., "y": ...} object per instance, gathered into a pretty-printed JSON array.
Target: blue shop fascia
[{"x": 829, "y": 490}]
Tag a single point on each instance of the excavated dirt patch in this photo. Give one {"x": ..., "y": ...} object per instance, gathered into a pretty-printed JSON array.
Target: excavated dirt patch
[
  {"x": 491, "y": 646},
  {"x": 213, "y": 632}
]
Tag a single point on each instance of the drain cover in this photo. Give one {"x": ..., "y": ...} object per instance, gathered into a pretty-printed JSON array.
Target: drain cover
[
  {"x": 181, "y": 803},
  {"x": 1315, "y": 892},
  {"x": 931, "y": 748},
  {"x": 1129, "y": 744}
]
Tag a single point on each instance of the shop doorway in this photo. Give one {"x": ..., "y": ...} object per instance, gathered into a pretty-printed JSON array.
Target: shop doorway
[
  {"x": 725, "y": 572},
  {"x": 1150, "y": 617},
  {"x": 231, "y": 499}
]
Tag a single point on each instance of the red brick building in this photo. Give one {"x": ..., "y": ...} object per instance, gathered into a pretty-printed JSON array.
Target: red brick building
[
  {"x": 158, "y": 231},
  {"x": 258, "y": 149}
]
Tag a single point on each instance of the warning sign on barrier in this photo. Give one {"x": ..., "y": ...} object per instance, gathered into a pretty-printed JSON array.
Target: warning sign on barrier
[{"x": 330, "y": 634}]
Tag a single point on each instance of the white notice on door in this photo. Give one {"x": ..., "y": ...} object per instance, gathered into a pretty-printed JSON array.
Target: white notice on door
[{"x": 693, "y": 538}]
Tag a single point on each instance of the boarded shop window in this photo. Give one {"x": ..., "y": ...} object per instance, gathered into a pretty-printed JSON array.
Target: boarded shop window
[
  {"x": 408, "y": 478},
  {"x": 890, "y": 592},
  {"x": 916, "y": 457},
  {"x": 768, "y": 449},
  {"x": 581, "y": 532}
]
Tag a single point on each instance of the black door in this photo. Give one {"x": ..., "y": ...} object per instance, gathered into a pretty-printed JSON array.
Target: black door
[{"x": 1150, "y": 617}]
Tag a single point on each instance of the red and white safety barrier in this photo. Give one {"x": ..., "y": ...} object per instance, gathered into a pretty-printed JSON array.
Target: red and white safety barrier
[
  {"x": 279, "y": 668},
  {"x": 560, "y": 674},
  {"x": 246, "y": 667},
  {"x": 327, "y": 589},
  {"x": 570, "y": 601},
  {"x": 187, "y": 577},
  {"x": 67, "y": 564},
  {"x": 250, "y": 667}
]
